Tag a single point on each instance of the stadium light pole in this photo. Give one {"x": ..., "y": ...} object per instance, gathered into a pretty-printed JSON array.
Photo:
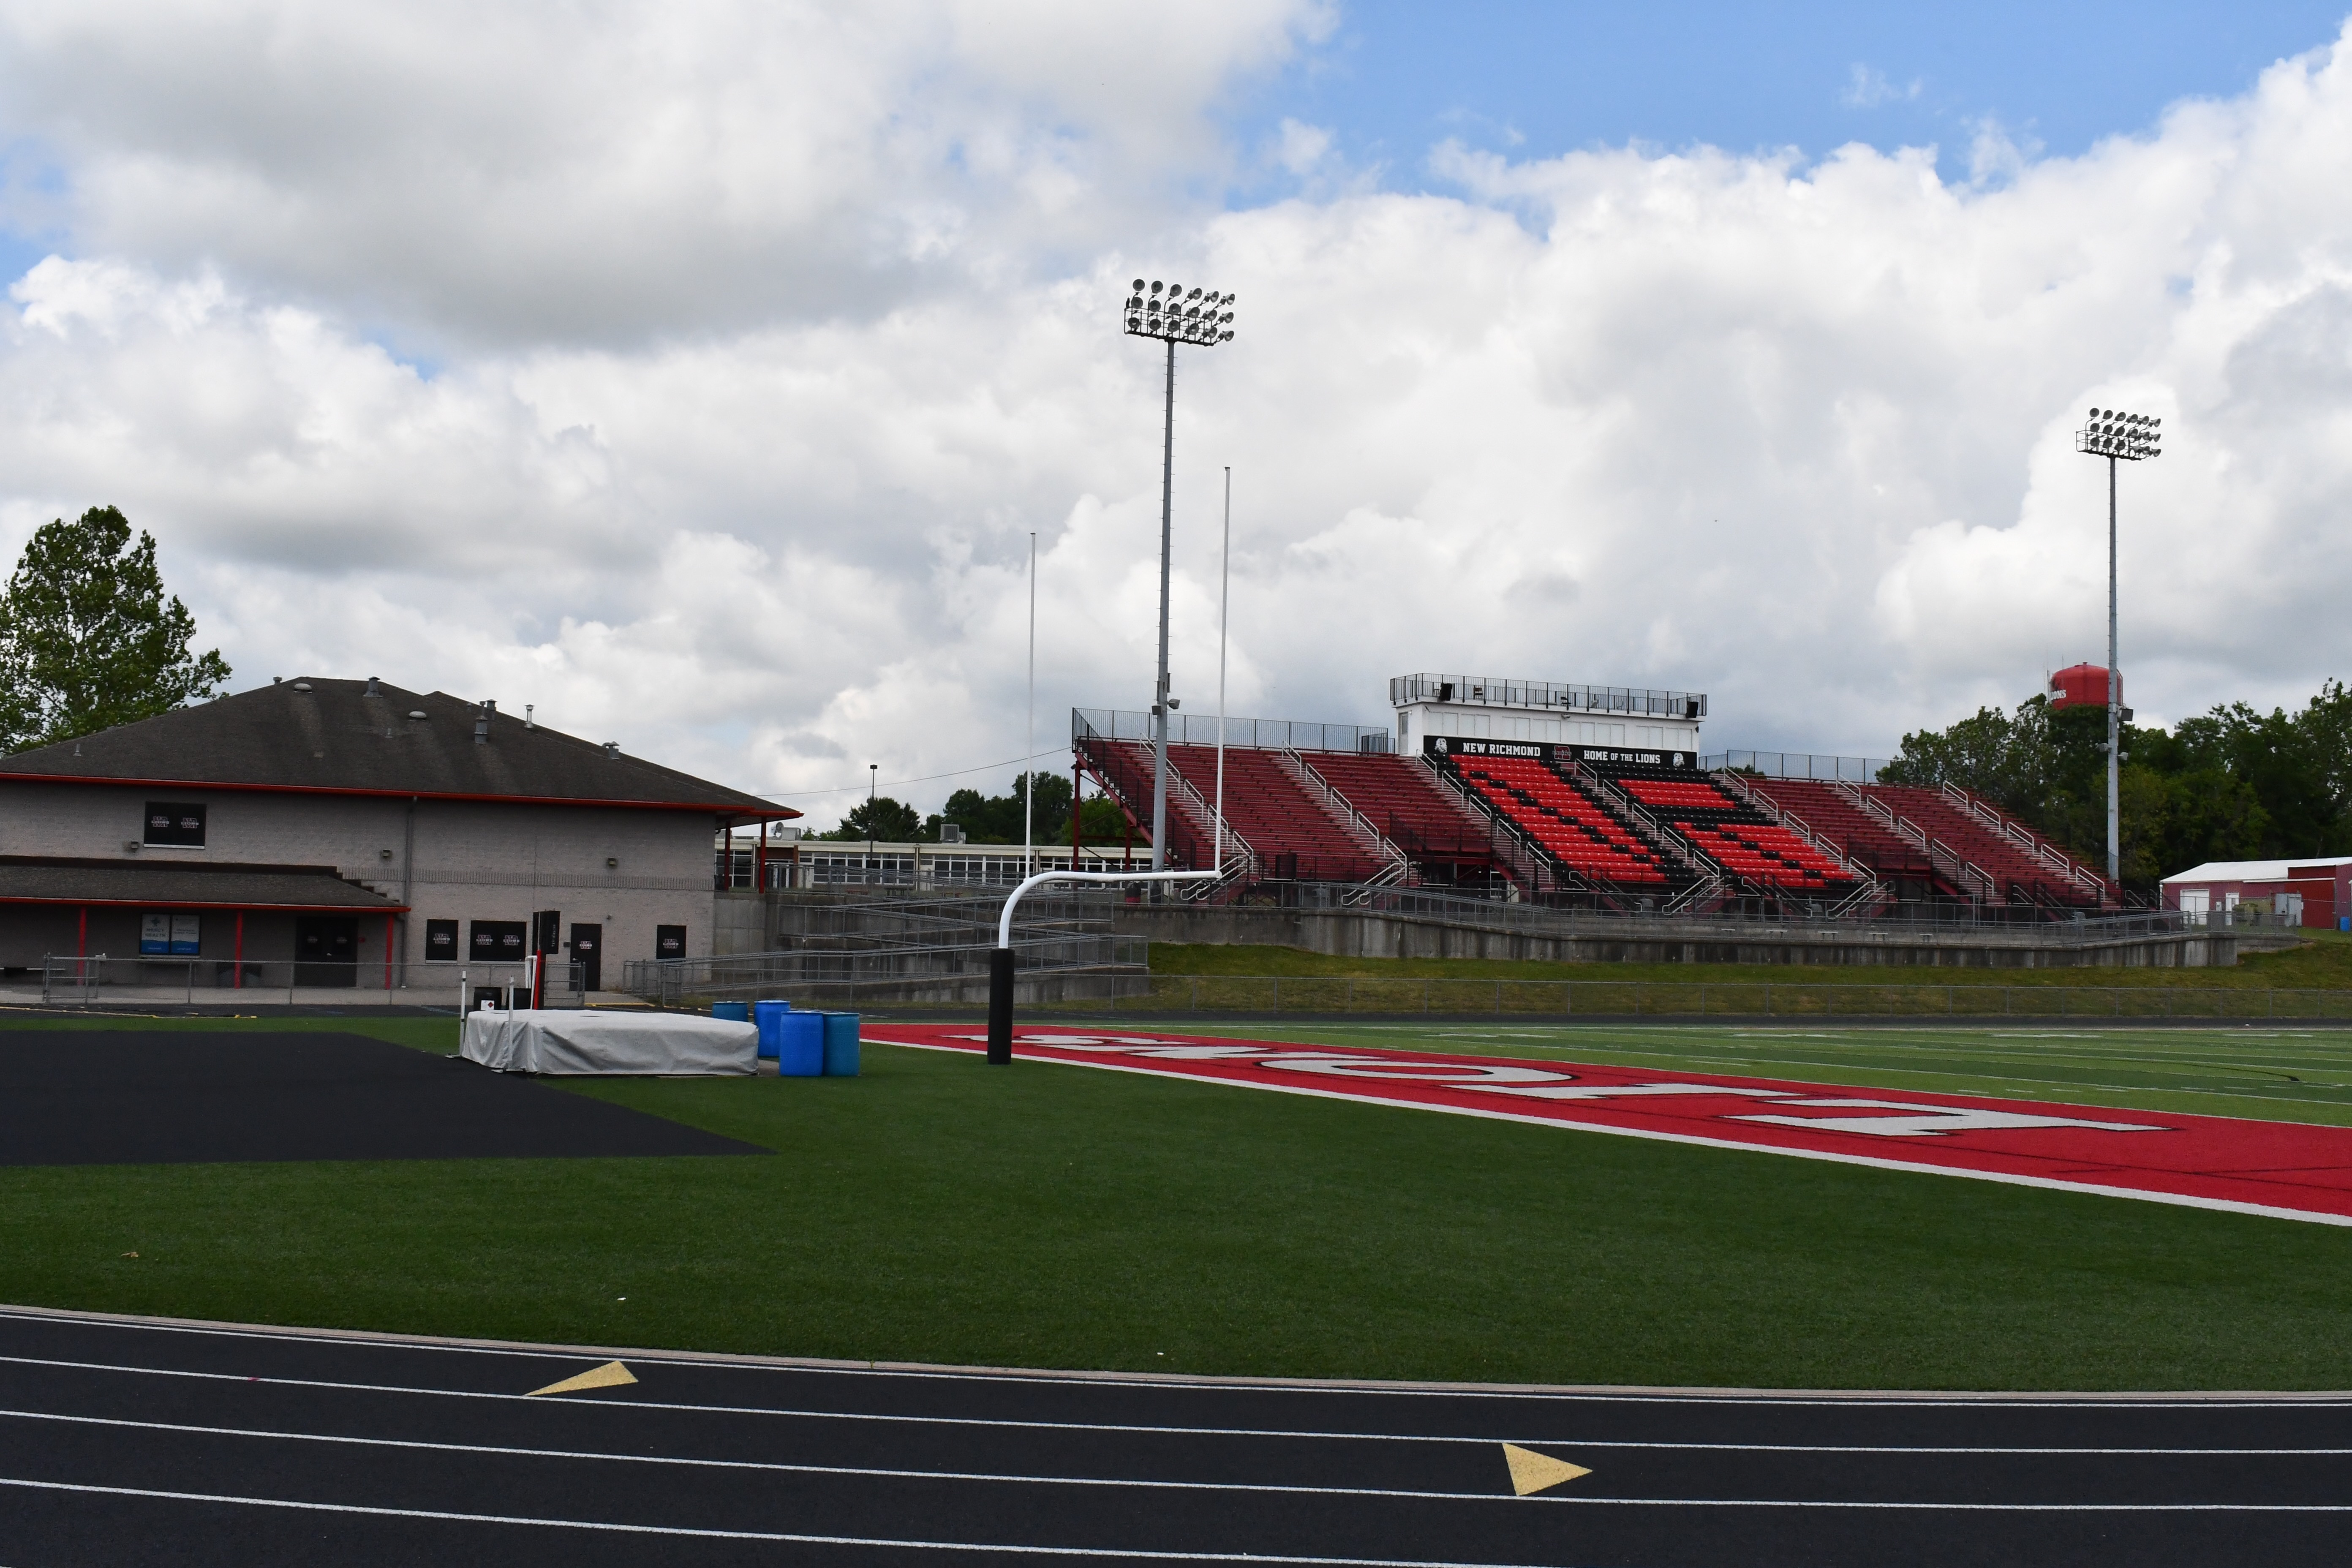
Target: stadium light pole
[
  {"x": 1173, "y": 315},
  {"x": 2117, "y": 437},
  {"x": 1203, "y": 317}
]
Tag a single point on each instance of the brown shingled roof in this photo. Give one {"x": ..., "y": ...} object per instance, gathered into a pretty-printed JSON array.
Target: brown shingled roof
[
  {"x": 340, "y": 737},
  {"x": 182, "y": 884}
]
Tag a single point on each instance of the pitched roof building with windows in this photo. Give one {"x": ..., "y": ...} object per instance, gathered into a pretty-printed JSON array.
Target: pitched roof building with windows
[{"x": 344, "y": 833}]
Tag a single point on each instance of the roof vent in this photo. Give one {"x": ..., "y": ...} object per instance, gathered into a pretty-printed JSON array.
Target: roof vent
[
  {"x": 374, "y": 690},
  {"x": 416, "y": 713},
  {"x": 482, "y": 725},
  {"x": 302, "y": 686},
  {"x": 612, "y": 749}
]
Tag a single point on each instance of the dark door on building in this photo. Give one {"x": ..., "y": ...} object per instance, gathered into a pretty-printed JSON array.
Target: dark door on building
[
  {"x": 326, "y": 950},
  {"x": 587, "y": 952}
]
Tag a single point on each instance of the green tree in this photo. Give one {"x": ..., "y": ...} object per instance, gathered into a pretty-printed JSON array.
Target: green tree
[
  {"x": 882, "y": 820},
  {"x": 2232, "y": 784},
  {"x": 87, "y": 638},
  {"x": 997, "y": 819},
  {"x": 1100, "y": 821}
]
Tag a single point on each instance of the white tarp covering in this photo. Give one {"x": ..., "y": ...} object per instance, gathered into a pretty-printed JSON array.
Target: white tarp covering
[{"x": 666, "y": 1045}]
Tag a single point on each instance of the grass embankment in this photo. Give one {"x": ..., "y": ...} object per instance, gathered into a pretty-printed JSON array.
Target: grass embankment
[{"x": 939, "y": 1210}]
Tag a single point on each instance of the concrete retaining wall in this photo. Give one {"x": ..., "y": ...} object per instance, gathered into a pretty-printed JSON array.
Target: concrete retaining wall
[{"x": 1352, "y": 933}]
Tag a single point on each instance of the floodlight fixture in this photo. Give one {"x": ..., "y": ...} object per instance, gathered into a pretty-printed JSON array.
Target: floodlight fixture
[
  {"x": 2112, "y": 433},
  {"x": 1175, "y": 314},
  {"x": 2118, "y": 436},
  {"x": 1200, "y": 317}
]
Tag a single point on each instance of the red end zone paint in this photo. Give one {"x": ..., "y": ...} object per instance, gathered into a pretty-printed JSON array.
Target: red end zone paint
[{"x": 2290, "y": 1170}]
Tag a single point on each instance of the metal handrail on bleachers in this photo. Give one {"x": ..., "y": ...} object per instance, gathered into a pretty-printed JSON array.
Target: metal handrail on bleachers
[
  {"x": 1241, "y": 862},
  {"x": 1774, "y": 812},
  {"x": 1511, "y": 845},
  {"x": 1370, "y": 839},
  {"x": 2041, "y": 849},
  {"x": 1524, "y": 851},
  {"x": 1614, "y": 799}
]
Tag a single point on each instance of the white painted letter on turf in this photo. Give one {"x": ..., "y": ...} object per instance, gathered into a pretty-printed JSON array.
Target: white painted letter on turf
[{"x": 1933, "y": 1120}]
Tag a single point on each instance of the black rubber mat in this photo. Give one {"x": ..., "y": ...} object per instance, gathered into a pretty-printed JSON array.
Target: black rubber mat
[{"x": 124, "y": 1097}]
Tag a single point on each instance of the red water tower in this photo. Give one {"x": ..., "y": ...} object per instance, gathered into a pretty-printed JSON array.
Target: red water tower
[{"x": 2079, "y": 685}]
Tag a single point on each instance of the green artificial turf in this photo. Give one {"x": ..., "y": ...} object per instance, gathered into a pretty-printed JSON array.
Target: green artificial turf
[{"x": 937, "y": 1209}]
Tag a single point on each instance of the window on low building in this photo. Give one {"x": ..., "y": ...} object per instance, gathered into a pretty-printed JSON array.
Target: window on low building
[{"x": 441, "y": 941}]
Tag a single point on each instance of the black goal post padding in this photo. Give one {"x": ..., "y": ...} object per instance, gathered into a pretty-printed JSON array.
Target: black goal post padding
[{"x": 1000, "y": 1005}]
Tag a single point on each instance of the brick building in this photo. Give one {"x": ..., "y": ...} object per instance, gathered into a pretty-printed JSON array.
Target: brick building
[{"x": 371, "y": 836}]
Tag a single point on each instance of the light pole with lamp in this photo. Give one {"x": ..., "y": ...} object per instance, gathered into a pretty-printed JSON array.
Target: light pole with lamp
[
  {"x": 1173, "y": 314},
  {"x": 2117, "y": 437},
  {"x": 873, "y": 787}
]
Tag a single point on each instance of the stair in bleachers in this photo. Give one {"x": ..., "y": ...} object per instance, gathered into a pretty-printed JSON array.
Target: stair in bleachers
[
  {"x": 1732, "y": 836},
  {"x": 1125, "y": 767},
  {"x": 1296, "y": 837},
  {"x": 2017, "y": 877},
  {"x": 1861, "y": 837},
  {"x": 1399, "y": 795},
  {"x": 1566, "y": 824}
]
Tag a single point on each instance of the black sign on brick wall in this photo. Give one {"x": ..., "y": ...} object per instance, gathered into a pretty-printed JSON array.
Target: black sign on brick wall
[
  {"x": 174, "y": 825},
  {"x": 497, "y": 942}
]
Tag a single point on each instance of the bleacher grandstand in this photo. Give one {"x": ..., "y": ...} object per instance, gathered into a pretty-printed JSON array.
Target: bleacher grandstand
[{"x": 1643, "y": 826}]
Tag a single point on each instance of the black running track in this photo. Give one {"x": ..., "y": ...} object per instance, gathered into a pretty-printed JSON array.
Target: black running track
[
  {"x": 85, "y": 1097},
  {"x": 152, "y": 1443}
]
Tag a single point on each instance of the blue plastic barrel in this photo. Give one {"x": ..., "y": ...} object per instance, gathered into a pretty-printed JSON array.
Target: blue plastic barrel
[
  {"x": 799, "y": 1045},
  {"x": 741, "y": 1012},
  {"x": 841, "y": 1045},
  {"x": 2343, "y": 922},
  {"x": 765, "y": 1015}
]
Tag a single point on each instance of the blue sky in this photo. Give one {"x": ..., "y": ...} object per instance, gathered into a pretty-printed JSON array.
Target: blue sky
[{"x": 1535, "y": 80}]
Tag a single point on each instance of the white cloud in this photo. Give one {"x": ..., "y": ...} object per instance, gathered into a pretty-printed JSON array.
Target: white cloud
[
  {"x": 1867, "y": 87},
  {"x": 739, "y": 467},
  {"x": 1300, "y": 148},
  {"x": 531, "y": 170}
]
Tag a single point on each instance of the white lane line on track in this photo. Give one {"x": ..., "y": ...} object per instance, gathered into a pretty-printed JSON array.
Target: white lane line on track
[
  {"x": 1898, "y": 1451},
  {"x": 1202, "y": 1385},
  {"x": 765, "y": 1465},
  {"x": 2332, "y": 1404},
  {"x": 575, "y": 1403},
  {"x": 1182, "y": 1556},
  {"x": 774, "y": 1535}
]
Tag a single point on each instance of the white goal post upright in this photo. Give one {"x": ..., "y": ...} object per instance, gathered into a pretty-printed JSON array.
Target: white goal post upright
[{"x": 1000, "y": 958}]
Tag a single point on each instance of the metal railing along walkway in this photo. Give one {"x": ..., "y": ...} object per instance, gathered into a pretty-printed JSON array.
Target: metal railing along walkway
[{"x": 1206, "y": 996}]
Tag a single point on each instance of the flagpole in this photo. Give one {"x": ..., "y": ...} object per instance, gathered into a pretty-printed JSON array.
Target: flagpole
[
  {"x": 1029, "y": 756},
  {"x": 1224, "y": 605}
]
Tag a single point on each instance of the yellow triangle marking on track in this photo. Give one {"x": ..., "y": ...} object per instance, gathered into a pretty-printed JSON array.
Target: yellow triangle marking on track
[
  {"x": 1533, "y": 1472},
  {"x": 612, "y": 1374}
]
